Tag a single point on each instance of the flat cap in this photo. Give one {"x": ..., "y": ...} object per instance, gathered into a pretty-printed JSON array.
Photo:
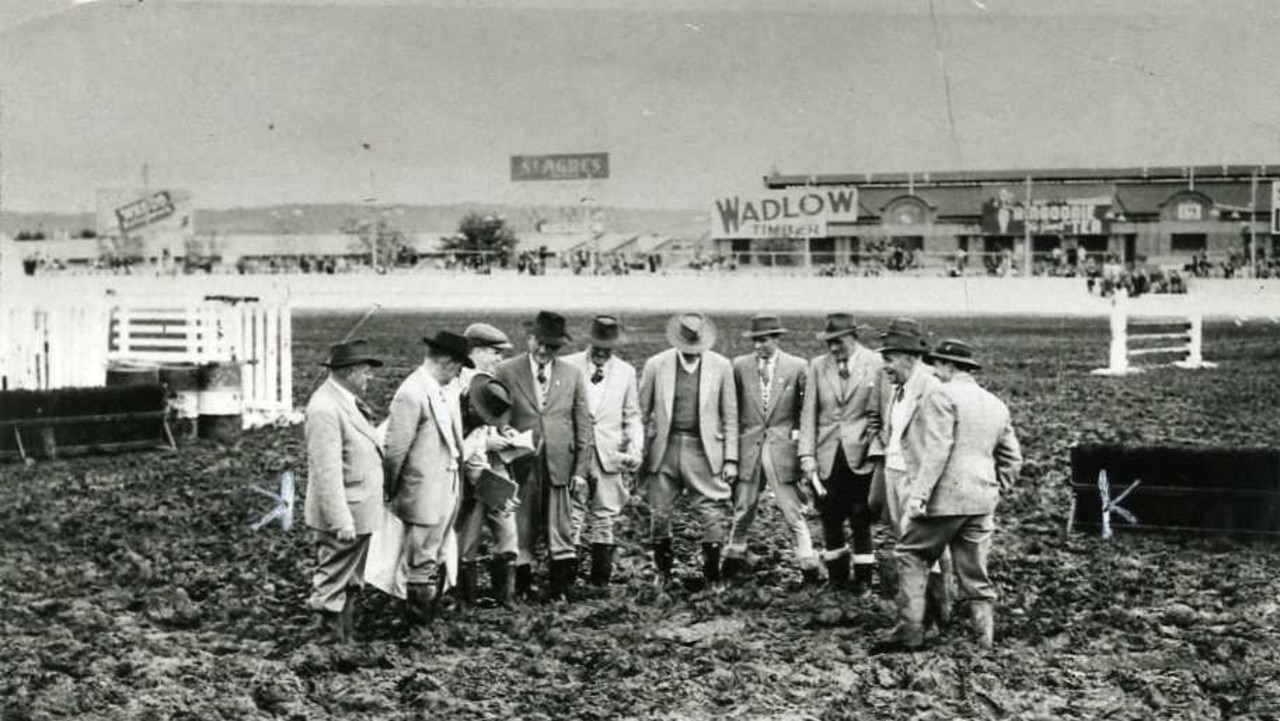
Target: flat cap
[{"x": 485, "y": 335}]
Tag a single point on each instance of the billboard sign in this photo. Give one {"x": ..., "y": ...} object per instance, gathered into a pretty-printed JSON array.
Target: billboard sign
[
  {"x": 138, "y": 212},
  {"x": 562, "y": 166},
  {"x": 788, "y": 213},
  {"x": 1005, "y": 214}
]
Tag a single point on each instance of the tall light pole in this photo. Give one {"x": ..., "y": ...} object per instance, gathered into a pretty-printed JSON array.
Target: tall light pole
[{"x": 1253, "y": 230}]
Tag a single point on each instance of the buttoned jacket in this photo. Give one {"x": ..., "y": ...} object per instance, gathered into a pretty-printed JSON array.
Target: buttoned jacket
[
  {"x": 841, "y": 413},
  {"x": 777, "y": 426},
  {"x": 344, "y": 464},
  {"x": 961, "y": 449},
  {"x": 423, "y": 450},
  {"x": 717, "y": 408},
  {"x": 615, "y": 410},
  {"x": 561, "y": 427}
]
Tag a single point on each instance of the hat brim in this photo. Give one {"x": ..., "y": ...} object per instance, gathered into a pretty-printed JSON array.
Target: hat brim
[
  {"x": 708, "y": 336},
  {"x": 837, "y": 334},
  {"x": 903, "y": 349},
  {"x": 465, "y": 360},
  {"x": 765, "y": 333},
  {"x": 478, "y": 382},
  {"x": 532, "y": 328},
  {"x": 618, "y": 342},
  {"x": 502, "y": 345},
  {"x": 957, "y": 361},
  {"x": 348, "y": 362}
]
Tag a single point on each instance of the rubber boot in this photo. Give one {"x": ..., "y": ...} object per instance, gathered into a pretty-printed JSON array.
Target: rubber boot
[
  {"x": 418, "y": 604},
  {"x": 732, "y": 567},
  {"x": 982, "y": 620},
  {"x": 908, "y": 634},
  {"x": 524, "y": 581},
  {"x": 601, "y": 564},
  {"x": 468, "y": 583},
  {"x": 561, "y": 577},
  {"x": 810, "y": 576},
  {"x": 837, "y": 572},
  {"x": 937, "y": 603},
  {"x": 501, "y": 581},
  {"x": 711, "y": 563},
  {"x": 664, "y": 558},
  {"x": 331, "y": 628},
  {"x": 349, "y": 615},
  {"x": 863, "y": 573}
]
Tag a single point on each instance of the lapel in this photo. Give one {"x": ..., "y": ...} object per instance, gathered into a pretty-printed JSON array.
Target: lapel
[
  {"x": 357, "y": 418},
  {"x": 831, "y": 373},
  {"x": 704, "y": 381},
  {"x": 667, "y": 380},
  {"x": 857, "y": 374},
  {"x": 775, "y": 386},
  {"x": 524, "y": 380},
  {"x": 612, "y": 377},
  {"x": 752, "y": 383},
  {"x": 433, "y": 391},
  {"x": 558, "y": 380}
]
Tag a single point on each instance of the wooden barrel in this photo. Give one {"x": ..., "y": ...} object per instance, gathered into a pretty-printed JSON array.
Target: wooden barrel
[
  {"x": 132, "y": 373},
  {"x": 220, "y": 401}
]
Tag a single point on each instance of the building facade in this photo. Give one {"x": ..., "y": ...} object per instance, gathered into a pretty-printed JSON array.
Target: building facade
[{"x": 1165, "y": 217}]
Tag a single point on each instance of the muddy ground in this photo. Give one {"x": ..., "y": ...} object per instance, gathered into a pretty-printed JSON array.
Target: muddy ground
[{"x": 132, "y": 587}]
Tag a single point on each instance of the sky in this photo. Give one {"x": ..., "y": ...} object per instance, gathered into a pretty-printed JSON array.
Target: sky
[{"x": 271, "y": 102}]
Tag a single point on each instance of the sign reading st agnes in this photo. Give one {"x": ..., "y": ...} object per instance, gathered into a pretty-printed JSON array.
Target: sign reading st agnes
[
  {"x": 562, "y": 166},
  {"x": 789, "y": 213}
]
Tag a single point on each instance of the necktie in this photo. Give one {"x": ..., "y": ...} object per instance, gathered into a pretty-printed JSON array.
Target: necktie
[
  {"x": 899, "y": 394},
  {"x": 765, "y": 382},
  {"x": 598, "y": 375},
  {"x": 542, "y": 382},
  {"x": 365, "y": 410},
  {"x": 844, "y": 370}
]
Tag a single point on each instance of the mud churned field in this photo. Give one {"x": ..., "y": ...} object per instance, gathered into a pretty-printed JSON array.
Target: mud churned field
[{"x": 131, "y": 586}]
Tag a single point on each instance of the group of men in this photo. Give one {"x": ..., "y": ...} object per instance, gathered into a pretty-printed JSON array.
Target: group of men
[{"x": 901, "y": 432}]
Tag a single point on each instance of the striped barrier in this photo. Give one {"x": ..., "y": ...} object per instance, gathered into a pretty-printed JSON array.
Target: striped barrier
[
  {"x": 1150, "y": 335},
  {"x": 52, "y": 343}
]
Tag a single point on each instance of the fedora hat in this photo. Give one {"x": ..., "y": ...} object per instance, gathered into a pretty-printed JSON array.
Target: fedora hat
[
  {"x": 351, "y": 353},
  {"x": 606, "y": 332},
  {"x": 763, "y": 325},
  {"x": 691, "y": 332},
  {"x": 450, "y": 344},
  {"x": 483, "y": 335},
  {"x": 490, "y": 400},
  {"x": 548, "y": 328},
  {"x": 903, "y": 336},
  {"x": 839, "y": 324},
  {"x": 955, "y": 352}
]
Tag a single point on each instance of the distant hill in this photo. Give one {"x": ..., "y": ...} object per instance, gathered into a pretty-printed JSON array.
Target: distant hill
[{"x": 328, "y": 218}]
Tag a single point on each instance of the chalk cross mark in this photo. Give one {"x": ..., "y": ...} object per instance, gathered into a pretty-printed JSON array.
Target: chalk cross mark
[
  {"x": 283, "y": 510},
  {"x": 1110, "y": 505}
]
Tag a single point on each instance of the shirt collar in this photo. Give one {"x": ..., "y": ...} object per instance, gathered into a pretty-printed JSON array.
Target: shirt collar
[
  {"x": 533, "y": 365},
  {"x": 689, "y": 367}
]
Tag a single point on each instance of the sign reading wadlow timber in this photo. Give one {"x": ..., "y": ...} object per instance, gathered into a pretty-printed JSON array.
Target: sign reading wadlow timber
[
  {"x": 788, "y": 213},
  {"x": 562, "y": 166}
]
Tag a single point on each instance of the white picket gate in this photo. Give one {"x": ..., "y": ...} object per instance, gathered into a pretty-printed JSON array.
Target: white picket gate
[{"x": 52, "y": 345}]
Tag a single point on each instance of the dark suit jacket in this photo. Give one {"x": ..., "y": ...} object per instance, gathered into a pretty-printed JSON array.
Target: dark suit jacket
[{"x": 561, "y": 429}]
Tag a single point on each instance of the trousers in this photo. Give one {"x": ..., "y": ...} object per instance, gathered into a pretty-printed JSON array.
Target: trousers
[
  {"x": 685, "y": 469},
  {"x": 746, "y": 503}
]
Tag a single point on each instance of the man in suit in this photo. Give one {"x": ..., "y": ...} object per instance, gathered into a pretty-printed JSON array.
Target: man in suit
[
  {"x": 423, "y": 458},
  {"x": 487, "y": 347},
  {"x": 910, "y": 381},
  {"x": 618, "y": 436},
  {"x": 549, "y": 398},
  {"x": 770, "y": 387},
  {"x": 961, "y": 451},
  {"x": 690, "y": 411},
  {"x": 344, "y": 485},
  {"x": 838, "y": 427}
]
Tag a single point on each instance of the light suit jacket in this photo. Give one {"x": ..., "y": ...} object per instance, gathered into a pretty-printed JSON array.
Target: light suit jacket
[
  {"x": 561, "y": 429},
  {"x": 615, "y": 414},
  {"x": 758, "y": 427},
  {"x": 717, "y": 407},
  {"x": 919, "y": 386},
  {"x": 837, "y": 415},
  {"x": 344, "y": 464},
  {"x": 963, "y": 450},
  {"x": 423, "y": 452}
]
